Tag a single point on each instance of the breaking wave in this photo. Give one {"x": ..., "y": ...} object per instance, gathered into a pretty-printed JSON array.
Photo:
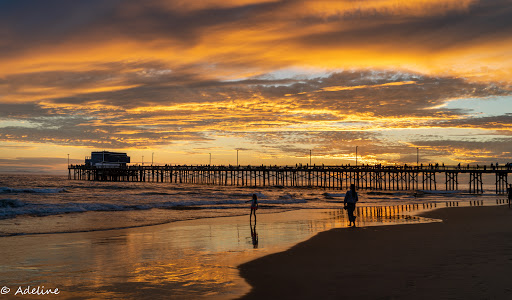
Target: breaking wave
[
  {"x": 10, "y": 208},
  {"x": 8, "y": 190}
]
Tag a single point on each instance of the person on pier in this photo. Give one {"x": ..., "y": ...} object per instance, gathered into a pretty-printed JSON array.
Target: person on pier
[
  {"x": 350, "y": 201},
  {"x": 254, "y": 206}
]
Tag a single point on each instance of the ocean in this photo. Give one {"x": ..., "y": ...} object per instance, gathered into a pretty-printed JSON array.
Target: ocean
[
  {"x": 134, "y": 240},
  {"x": 35, "y": 204}
]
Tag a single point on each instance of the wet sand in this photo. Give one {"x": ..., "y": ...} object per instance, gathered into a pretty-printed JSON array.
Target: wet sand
[
  {"x": 467, "y": 256},
  {"x": 193, "y": 259}
]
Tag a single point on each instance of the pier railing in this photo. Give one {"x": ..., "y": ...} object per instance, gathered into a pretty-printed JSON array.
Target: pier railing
[{"x": 375, "y": 177}]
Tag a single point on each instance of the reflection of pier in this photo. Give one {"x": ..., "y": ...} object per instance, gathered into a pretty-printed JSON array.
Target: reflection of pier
[
  {"x": 327, "y": 177},
  {"x": 389, "y": 213},
  {"x": 379, "y": 215},
  {"x": 393, "y": 214}
]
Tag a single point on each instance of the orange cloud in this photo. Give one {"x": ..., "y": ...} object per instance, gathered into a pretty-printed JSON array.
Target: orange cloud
[
  {"x": 161, "y": 72},
  {"x": 391, "y": 34},
  {"x": 349, "y": 88}
]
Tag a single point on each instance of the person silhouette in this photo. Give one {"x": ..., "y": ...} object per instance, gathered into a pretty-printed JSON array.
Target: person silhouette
[
  {"x": 509, "y": 194},
  {"x": 254, "y": 206},
  {"x": 351, "y": 198}
]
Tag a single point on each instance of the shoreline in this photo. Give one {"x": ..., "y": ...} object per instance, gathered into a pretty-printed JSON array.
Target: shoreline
[
  {"x": 466, "y": 256},
  {"x": 11, "y": 226},
  {"x": 187, "y": 259}
]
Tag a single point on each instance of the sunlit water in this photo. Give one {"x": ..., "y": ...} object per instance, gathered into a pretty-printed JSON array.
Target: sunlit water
[
  {"x": 204, "y": 232},
  {"x": 52, "y": 204}
]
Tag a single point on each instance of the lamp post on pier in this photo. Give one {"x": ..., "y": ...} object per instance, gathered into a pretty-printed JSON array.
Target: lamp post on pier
[
  {"x": 356, "y": 155},
  {"x": 309, "y": 157},
  {"x": 68, "y": 160},
  {"x": 417, "y": 156},
  {"x": 142, "y": 159}
]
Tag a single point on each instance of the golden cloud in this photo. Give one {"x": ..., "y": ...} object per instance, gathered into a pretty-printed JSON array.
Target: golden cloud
[
  {"x": 271, "y": 34},
  {"x": 158, "y": 72}
]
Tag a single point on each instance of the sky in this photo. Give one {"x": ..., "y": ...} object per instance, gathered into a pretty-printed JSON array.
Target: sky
[{"x": 179, "y": 81}]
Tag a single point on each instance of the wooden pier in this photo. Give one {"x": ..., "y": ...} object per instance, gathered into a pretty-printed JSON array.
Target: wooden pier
[{"x": 327, "y": 177}]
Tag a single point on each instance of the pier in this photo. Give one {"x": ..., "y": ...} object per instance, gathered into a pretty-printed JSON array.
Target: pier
[{"x": 371, "y": 177}]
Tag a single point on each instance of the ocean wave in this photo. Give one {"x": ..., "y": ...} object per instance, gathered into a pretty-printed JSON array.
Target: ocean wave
[
  {"x": 391, "y": 193},
  {"x": 8, "y": 190},
  {"x": 155, "y": 194},
  {"x": 248, "y": 195},
  {"x": 283, "y": 201},
  {"x": 10, "y": 208},
  {"x": 45, "y": 209},
  {"x": 11, "y": 203},
  {"x": 333, "y": 195},
  {"x": 110, "y": 187},
  {"x": 440, "y": 192}
]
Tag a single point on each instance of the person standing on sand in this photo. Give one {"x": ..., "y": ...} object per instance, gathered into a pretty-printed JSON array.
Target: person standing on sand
[
  {"x": 350, "y": 204},
  {"x": 254, "y": 206},
  {"x": 509, "y": 193}
]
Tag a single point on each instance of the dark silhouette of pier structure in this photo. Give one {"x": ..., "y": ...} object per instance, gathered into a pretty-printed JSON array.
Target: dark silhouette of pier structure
[{"x": 372, "y": 177}]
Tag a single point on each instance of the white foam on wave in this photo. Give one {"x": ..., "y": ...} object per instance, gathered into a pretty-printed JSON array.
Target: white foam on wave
[
  {"x": 10, "y": 208},
  {"x": 45, "y": 209}
]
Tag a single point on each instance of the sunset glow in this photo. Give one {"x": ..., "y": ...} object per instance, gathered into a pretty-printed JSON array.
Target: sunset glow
[{"x": 273, "y": 79}]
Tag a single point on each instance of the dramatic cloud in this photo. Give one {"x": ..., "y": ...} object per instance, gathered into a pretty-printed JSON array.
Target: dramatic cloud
[{"x": 277, "y": 78}]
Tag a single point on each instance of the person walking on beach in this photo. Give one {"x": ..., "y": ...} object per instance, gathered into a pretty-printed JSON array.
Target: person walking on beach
[
  {"x": 254, "y": 206},
  {"x": 509, "y": 194},
  {"x": 350, "y": 204}
]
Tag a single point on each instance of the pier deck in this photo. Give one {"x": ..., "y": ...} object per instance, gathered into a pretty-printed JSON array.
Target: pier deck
[{"x": 327, "y": 177}]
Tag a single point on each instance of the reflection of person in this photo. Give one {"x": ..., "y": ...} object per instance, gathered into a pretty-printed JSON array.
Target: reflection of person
[
  {"x": 350, "y": 204},
  {"x": 254, "y": 206},
  {"x": 254, "y": 236}
]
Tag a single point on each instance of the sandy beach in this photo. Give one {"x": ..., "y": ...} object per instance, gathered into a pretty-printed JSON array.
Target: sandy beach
[
  {"x": 193, "y": 259},
  {"x": 467, "y": 256}
]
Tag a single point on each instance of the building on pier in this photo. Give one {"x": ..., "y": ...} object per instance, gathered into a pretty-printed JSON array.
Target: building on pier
[{"x": 107, "y": 159}]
